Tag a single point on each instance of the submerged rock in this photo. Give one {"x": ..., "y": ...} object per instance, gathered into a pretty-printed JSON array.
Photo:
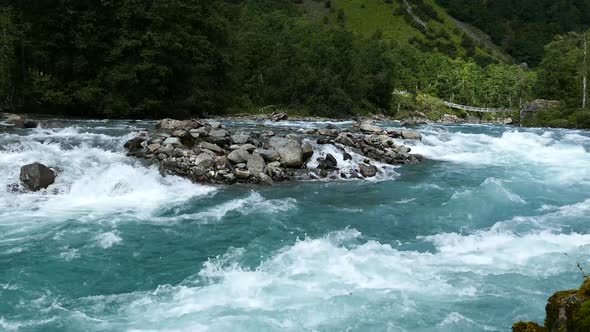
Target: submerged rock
[
  {"x": 36, "y": 176},
  {"x": 368, "y": 171}
]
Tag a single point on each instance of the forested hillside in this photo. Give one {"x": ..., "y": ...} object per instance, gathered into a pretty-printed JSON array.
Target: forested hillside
[
  {"x": 523, "y": 27},
  {"x": 134, "y": 58}
]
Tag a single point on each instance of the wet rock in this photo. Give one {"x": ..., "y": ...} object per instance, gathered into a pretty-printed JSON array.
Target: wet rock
[
  {"x": 289, "y": 150},
  {"x": 368, "y": 127},
  {"x": 171, "y": 124},
  {"x": 406, "y": 134},
  {"x": 269, "y": 155},
  {"x": 20, "y": 122},
  {"x": 165, "y": 150},
  {"x": 241, "y": 138},
  {"x": 199, "y": 132},
  {"x": 473, "y": 119},
  {"x": 134, "y": 144},
  {"x": 174, "y": 141},
  {"x": 255, "y": 163},
  {"x": 204, "y": 160},
  {"x": 36, "y": 176},
  {"x": 153, "y": 147},
  {"x": 212, "y": 147},
  {"x": 248, "y": 147},
  {"x": 278, "y": 116},
  {"x": 368, "y": 171},
  {"x": 346, "y": 156},
  {"x": 307, "y": 151},
  {"x": 238, "y": 156},
  {"x": 265, "y": 179},
  {"x": 450, "y": 118},
  {"x": 242, "y": 174}
]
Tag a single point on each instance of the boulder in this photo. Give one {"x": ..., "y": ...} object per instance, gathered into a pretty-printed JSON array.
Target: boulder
[
  {"x": 204, "y": 160},
  {"x": 473, "y": 119},
  {"x": 346, "y": 156},
  {"x": 199, "y": 132},
  {"x": 218, "y": 133},
  {"x": 20, "y": 122},
  {"x": 450, "y": 118},
  {"x": 153, "y": 147},
  {"x": 212, "y": 147},
  {"x": 406, "y": 134},
  {"x": 331, "y": 160},
  {"x": 242, "y": 174},
  {"x": 36, "y": 176},
  {"x": 255, "y": 163},
  {"x": 171, "y": 124},
  {"x": 134, "y": 144},
  {"x": 368, "y": 171},
  {"x": 241, "y": 138},
  {"x": 278, "y": 116},
  {"x": 165, "y": 150},
  {"x": 265, "y": 179},
  {"x": 215, "y": 124},
  {"x": 238, "y": 156},
  {"x": 269, "y": 155},
  {"x": 289, "y": 150},
  {"x": 368, "y": 127},
  {"x": 307, "y": 150},
  {"x": 248, "y": 147},
  {"x": 174, "y": 141}
]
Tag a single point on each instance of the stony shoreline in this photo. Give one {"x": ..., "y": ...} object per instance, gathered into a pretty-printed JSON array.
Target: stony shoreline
[{"x": 207, "y": 152}]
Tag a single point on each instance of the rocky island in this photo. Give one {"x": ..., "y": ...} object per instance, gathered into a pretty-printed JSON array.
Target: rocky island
[{"x": 207, "y": 152}]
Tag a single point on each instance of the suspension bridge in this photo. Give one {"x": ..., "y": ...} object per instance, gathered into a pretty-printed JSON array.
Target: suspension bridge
[{"x": 477, "y": 109}]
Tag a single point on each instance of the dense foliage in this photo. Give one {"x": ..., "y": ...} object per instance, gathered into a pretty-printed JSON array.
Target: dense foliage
[
  {"x": 136, "y": 58},
  {"x": 523, "y": 27}
]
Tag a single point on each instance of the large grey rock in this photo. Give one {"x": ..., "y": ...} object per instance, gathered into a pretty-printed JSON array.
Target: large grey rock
[
  {"x": 265, "y": 179},
  {"x": 242, "y": 174},
  {"x": 238, "y": 156},
  {"x": 20, "y": 122},
  {"x": 406, "y": 134},
  {"x": 269, "y": 155},
  {"x": 212, "y": 147},
  {"x": 289, "y": 150},
  {"x": 307, "y": 151},
  {"x": 369, "y": 127},
  {"x": 255, "y": 163},
  {"x": 36, "y": 176},
  {"x": 204, "y": 160},
  {"x": 171, "y": 124},
  {"x": 278, "y": 116},
  {"x": 368, "y": 171},
  {"x": 199, "y": 132},
  {"x": 166, "y": 149},
  {"x": 174, "y": 141},
  {"x": 241, "y": 138},
  {"x": 134, "y": 144},
  {"x": 218, "y": 133}
]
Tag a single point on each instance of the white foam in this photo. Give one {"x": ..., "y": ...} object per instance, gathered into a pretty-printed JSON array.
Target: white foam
[
  {"x": 108, "y": 239},
  {"x": 385, "y": 171},
  {"x": 327, "y": 279},
  {"x": 558, "y": 160},
  {"x": 253, "y": 203}
]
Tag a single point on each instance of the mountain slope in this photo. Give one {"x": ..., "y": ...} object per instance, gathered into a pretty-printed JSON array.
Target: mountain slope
[{"x": 421, "y": 22}]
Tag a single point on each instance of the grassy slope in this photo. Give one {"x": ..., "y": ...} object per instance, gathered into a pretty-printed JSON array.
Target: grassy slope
[{"x": 368, "y": 16}]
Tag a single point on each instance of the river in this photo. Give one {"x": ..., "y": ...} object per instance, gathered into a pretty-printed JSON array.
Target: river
[{"x": 474, "y": 239}]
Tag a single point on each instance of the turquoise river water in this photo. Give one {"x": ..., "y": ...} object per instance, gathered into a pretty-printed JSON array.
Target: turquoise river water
[{"x": 474, "y": 239}]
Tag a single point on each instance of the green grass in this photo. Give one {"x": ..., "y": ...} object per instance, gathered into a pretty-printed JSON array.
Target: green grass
[{"x": 366, "y": 17}]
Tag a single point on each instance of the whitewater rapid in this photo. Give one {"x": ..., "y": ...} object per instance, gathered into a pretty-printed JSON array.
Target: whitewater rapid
[{"x": 474, "y": 239}]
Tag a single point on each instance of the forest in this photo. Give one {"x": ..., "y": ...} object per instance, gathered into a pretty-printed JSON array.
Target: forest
[{"x": 179, "y": 58}]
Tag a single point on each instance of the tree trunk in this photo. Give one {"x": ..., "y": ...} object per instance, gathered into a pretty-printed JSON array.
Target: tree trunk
[{"x": 585, "y": 73}]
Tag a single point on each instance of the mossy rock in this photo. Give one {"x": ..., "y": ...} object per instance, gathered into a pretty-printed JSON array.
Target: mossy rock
[{"x": 528, "y": 327}]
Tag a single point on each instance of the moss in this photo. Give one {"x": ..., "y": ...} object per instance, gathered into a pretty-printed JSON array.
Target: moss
[
  {"x": 582, "y": 317},
  {"x": 555, "y": 303},
  {"x": 528, "y": 327}
]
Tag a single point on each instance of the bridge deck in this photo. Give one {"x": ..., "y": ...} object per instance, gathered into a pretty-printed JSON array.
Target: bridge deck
[{"x": 476, "y": 109}]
